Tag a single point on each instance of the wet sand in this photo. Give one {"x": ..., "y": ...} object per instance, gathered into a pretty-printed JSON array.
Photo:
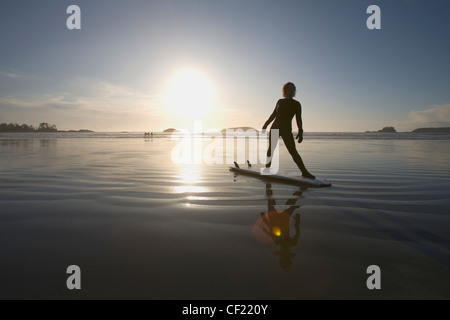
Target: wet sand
[{"x": 141, "y": 227}]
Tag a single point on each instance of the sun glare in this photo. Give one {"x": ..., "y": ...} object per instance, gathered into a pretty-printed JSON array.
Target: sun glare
[{"x": 189, "y": 95}]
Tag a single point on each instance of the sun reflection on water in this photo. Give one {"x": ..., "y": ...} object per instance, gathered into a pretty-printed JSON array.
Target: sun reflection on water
[{"x": 189, "y": 180}]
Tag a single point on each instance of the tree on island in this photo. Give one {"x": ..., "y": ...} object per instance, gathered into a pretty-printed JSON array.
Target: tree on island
[
  {"x": 45, "y": 127},
  {"x": 14, "y": 127}
]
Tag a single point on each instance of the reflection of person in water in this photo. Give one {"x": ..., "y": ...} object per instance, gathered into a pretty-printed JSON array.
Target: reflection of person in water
[
  {"x": 282, "y": 117},
  {"x": 276, "y": 225}
]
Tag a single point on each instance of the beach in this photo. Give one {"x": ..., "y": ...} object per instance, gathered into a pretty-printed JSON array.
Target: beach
[{"x": 142, "y": 227}]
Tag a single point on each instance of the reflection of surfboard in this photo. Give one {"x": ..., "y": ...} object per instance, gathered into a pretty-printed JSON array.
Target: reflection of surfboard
[{"x": 265, "y": 175}]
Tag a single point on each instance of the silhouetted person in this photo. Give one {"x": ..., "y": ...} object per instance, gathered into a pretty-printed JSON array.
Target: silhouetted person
[
  {"x": 284, "y": 112},
  {"x": 277, "y": 225}
]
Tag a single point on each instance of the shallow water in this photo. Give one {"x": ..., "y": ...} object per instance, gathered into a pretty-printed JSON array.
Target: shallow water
[{"x": 140, "y": 226}]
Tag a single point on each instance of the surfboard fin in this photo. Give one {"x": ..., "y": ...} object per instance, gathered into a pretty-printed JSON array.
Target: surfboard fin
[{"x": 236, "y": 165}]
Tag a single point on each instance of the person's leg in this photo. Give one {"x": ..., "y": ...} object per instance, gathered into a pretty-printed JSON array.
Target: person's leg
[
  {"x": 290, "y": 145},
  {"x": 271, "y": 149}
]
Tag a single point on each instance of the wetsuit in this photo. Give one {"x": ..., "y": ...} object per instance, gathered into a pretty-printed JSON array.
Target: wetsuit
[{"x": 283, "y": 114}]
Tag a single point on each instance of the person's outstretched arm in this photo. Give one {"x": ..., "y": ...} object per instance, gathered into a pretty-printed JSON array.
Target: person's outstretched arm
[
  {"x": 298, "y": 118},
  {"x": 271, "y": 118}
]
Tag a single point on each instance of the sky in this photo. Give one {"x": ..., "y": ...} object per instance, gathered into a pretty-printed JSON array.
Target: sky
[{"x": 150, "y": 65}]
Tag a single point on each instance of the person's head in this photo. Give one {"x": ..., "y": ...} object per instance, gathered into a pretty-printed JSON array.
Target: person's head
[{"x": 289, "y": 90}]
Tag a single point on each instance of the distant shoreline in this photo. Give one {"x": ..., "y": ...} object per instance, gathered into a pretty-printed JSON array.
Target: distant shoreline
[
  {"x": 82, "y": 130},
  {"x": 57, "y": 131},
  {"x": 26, "y": 128},
  {"x": 437, "y": 130}
]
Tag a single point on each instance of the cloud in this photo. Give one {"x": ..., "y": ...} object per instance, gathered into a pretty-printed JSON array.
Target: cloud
[
  {"x": 86, "y": 102},
  {"x": 8, "y": 74},
  {"x": 15, "y": 75},
  {"x": 97, "y": 95},
  {"x": 435, "y": 116}
]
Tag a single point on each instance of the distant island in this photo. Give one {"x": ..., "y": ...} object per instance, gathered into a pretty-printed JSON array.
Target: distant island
[
  {"x": 239, "y": 128},
  {"x": 384, "y": 130},
  {"x": 388, "y": 129},
  {"x": 43, "y": 127},
  {"x": 432, "y": 130},
  {"x": 441, "y": 130},
  {"x": 170, "y": 130}
]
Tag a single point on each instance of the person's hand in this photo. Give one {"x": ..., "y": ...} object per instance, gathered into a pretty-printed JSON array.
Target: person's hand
[
  {"x": 299, "y": 137},
  {"x": 263, "y": 129}
]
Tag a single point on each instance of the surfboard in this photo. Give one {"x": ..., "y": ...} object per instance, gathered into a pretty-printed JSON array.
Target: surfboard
[{"x": 266, "y": 175}]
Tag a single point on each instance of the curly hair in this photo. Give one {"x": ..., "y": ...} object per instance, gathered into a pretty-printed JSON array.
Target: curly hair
[{"x": 289, "y": 90}]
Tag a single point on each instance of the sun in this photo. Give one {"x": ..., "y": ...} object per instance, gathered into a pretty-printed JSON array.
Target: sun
[{"x": 189, "y": 95}]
